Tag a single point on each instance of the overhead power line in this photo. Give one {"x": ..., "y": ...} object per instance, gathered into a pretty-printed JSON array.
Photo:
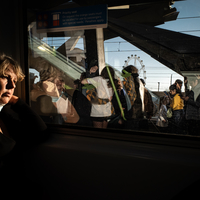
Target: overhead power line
[{"x": 188, "y": 17}]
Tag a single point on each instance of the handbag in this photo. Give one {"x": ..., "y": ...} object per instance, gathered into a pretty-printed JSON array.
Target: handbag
[
  {"x": 67, "y": 110},
  {"x": 113, "y": 121},
  {"x": 169, "y": 113}
]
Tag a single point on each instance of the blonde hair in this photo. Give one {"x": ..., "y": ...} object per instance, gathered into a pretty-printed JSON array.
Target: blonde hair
[{"x": 5, "y": 62}]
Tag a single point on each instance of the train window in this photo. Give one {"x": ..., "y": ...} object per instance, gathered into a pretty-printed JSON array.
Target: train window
[{"x": 140, "y": 72}]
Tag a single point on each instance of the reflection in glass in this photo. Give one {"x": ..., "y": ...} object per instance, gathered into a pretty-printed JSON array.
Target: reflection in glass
[{"x": 166, "y": 45}]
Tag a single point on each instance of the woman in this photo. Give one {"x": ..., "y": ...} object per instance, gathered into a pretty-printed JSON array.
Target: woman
[
  {"x": 20, "y": 129},
  {"x": 49, "y": 100},
  {"x": 15, "y": 115},
  {"x": 45, "y": 93},
  {"x": 135, "y": 90},
  {"x": 177, "y": 105},
  {"x": 102, "y": 83}
]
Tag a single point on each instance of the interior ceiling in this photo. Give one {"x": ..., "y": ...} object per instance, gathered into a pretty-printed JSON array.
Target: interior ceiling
[
  {"x": 44, "y": 5},
  {"x": 137, "y": 25},
  {"x": 151, "y": 12}
]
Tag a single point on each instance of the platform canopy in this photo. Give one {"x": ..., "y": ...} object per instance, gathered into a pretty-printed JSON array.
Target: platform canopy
[{"x": 178, "y": 51}]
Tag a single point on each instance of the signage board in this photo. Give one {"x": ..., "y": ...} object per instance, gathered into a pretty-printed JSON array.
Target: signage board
[{"x": 90, "y": 17}]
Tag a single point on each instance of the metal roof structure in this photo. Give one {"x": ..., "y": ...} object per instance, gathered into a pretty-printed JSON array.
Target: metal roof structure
[{"x": 178, "y": 51}]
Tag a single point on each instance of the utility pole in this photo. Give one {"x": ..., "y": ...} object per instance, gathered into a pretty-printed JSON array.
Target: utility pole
[{"x": 171, "y": 80}]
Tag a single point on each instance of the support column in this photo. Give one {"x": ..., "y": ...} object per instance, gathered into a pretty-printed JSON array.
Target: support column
[
  {"x": 100, "y": 48},
  {"x": 91, "y": 45}
]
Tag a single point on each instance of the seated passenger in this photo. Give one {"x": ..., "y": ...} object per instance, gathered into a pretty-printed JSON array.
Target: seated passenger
[
  {"x": 14, "y": 122},
  {"x": 20, "y": 130}
]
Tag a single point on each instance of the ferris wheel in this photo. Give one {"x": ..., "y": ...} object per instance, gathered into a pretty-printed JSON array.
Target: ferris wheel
[{"x": 137, "y": 61}]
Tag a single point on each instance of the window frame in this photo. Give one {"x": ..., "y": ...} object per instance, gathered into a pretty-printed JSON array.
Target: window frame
[{"x": 127, "y": 135}]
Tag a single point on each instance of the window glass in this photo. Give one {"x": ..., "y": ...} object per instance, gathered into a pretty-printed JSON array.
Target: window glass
[{"x": 149, "y": 79}]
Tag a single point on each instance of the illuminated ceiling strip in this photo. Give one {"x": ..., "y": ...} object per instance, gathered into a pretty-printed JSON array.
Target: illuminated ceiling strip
[{"x": 119, "y": 7}]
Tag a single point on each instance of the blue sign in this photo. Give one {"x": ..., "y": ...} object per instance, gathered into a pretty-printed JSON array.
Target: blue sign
[{"x": 89, "y": 17}]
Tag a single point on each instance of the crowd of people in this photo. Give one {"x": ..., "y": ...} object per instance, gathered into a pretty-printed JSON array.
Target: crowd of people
[
  {"x": 179, "y": 112},
  {"x": 114, "y": 103},
  {"x": 100, "y": 100},
  {"x": 103, "y": 100}
]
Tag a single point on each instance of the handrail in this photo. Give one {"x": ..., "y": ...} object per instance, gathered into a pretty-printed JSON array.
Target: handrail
[{"x": 58, "y": 55}]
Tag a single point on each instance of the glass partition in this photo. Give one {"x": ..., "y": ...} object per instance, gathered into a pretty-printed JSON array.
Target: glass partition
[{"x": 150, "y": 79}]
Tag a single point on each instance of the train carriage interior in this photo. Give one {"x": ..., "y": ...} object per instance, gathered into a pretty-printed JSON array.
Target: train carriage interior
[{"x": 133, "y": 157}]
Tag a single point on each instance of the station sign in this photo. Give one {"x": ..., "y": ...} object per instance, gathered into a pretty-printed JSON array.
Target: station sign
[{"x": 90, "y": 17}]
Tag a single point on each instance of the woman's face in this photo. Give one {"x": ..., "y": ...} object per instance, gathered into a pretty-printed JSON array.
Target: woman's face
[
  {"x": 7, "y": 85},
  {"x": 59, "y": 84},
  {"x": 179, "y": 85},
  {"x": 173, "y": 92},
  {"x": 93, "y": 69},
  {"x": 166, "y": 100}
]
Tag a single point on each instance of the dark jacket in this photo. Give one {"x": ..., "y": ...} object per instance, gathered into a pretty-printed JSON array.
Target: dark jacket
[
  {"x": 193, "y": 104},
  {"x": 27, "y": 130},
  {"x": 148, "y": 103},
  {"x": 83, "y": 108},
  {"x": 24, "y": 126},
  {"x": 91, "y": 75}
]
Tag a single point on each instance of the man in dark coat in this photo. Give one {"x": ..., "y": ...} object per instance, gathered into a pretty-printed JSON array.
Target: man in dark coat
[{"x": 193, "y": 106}]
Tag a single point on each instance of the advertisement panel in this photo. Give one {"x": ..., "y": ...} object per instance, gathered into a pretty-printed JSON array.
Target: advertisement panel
[{"x": 90, "y": 17}]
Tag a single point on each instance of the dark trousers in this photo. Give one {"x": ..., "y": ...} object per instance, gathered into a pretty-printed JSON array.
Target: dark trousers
[{"x": 177, "y": 121}]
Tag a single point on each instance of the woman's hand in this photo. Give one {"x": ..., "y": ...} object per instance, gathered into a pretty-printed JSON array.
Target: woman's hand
[
  {"x": 84, "y": 81},
  {"x": 185, "y": 98},
  {"x": 93, "y": 69},
  {"x": 50, "y": 89},
  {"x": 13, "y": 100}
]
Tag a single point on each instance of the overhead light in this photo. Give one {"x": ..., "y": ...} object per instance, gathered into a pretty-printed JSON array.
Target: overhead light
[
  {"x": 42, "y": 48},
  {"x": 119, "y": 7}
]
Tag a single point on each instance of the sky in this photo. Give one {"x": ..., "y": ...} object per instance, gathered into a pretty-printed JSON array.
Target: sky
[{"x": 158, "y": 76}]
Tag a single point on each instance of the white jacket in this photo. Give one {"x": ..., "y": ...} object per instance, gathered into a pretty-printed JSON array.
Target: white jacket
[{"x": 162, "y": 116}]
